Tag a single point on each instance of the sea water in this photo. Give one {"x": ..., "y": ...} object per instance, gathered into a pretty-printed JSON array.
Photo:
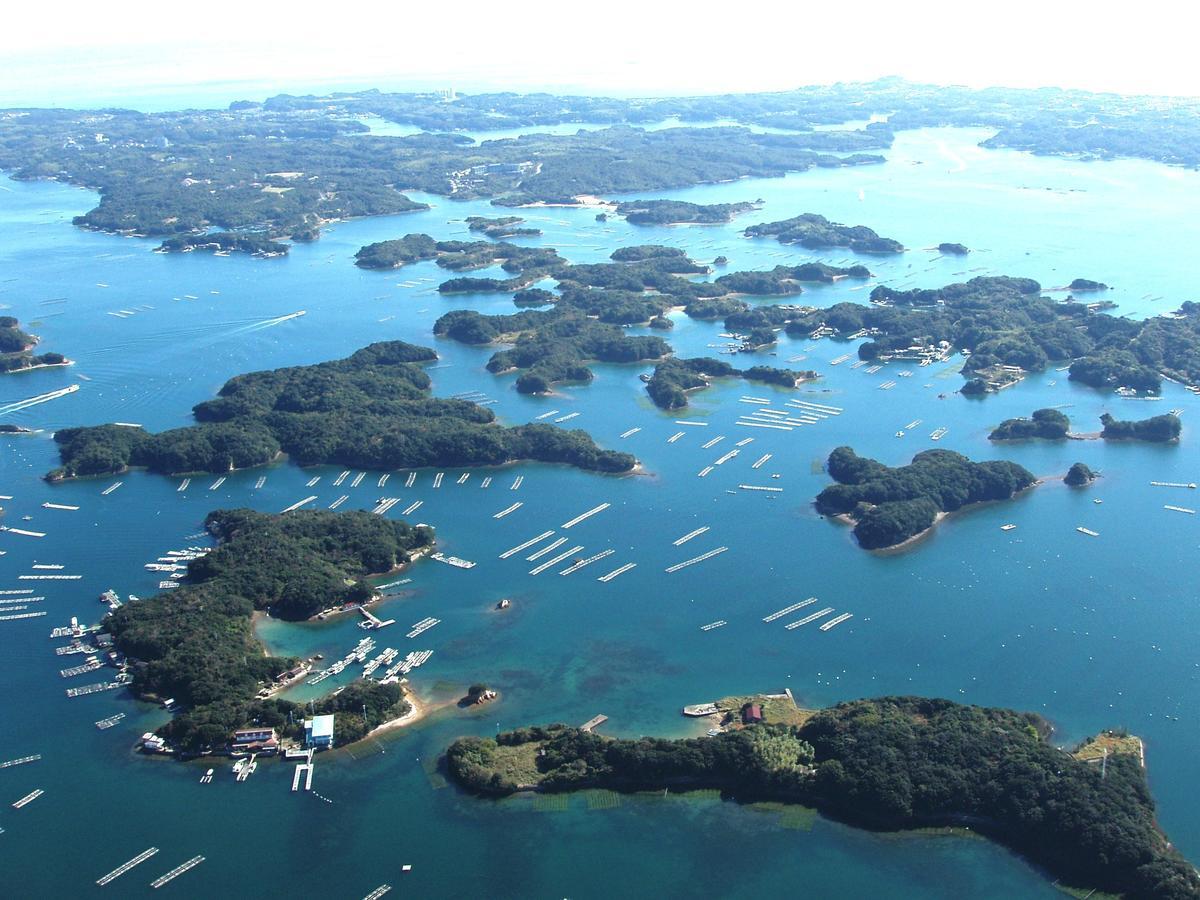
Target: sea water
[{"x": 1092, "y": 632}]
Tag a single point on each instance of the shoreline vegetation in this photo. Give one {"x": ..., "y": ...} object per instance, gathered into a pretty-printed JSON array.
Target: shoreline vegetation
[
  {"x": 15, "y": 350},
  {"x": 371, "y": 410},
  {"x": 197, "y": 643},
  {"x": 1052, "y": 425},
  {"x": 891, "y": 507},
  {"x": 888, "y": 764}
]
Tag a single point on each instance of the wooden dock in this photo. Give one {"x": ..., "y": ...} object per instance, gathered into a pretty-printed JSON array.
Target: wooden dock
[{"x": 593, "y": 723}]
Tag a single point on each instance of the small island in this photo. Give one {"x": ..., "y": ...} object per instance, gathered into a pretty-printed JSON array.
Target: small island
[
  {"x": 196, "y": 643},
  {"x": 1046, "y": 424},
  {"x": 950, "y": 249},
  {"x": 371, "y": 410},
  {"x": 1086, "y": 284},
  {"x": 1157, "y": 429},
  {"x": 501, "y": 226},
  {"x": 673, "y": 378},
  {"x": 1080, "y": 475},
  {"x": 681, "y": 212},
  {"x": 15, "y": 347},
  {"x": 818, "y": 233},
  {"x": 223, "y": 243},
  {"x": 891, "y": 506},
  {"x": 889, "y": 763}
]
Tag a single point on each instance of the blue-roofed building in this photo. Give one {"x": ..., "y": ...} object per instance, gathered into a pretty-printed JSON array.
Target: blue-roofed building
[{"x": 318, "y": 732}]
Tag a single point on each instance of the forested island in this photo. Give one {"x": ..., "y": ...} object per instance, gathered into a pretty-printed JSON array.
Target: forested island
[
  {"x": 371, "y": 410},
  {"x": 224, "y": 242},
  {"x": 461, "y": 256},
  {"x": 1047, "y": 424},
  {"x": 890, "y": 506},
  {"x": 501, "y": 226},
  {"x": 1005, "y": 321},
  {"x": 15, "y": 347},
  {"x": 1157, "y": 429},
  {"x": 952, "y": 249},
  {"x": 817, "y": 233},
  {"x": 1079, "y": 474},
  {"x": 681, "y": 212},
  {"x": 197, "y": 645},
  {"x": 673, "y": 378},
  {"x": 888, "y": 763}
]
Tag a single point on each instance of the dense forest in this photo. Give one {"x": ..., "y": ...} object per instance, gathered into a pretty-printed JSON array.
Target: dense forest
[
  {"x": 890, "y": 505},
  {"x": 681, "y": 212},
  {"x": 674, "y": 377},
  {"x": 1157, "y": 429},
  {"x": 1048, "y": 424},
  {"x": 501, "y": 226},
  {"x": 15, "y": 345},
  {"x": 817, "y": 233},
  {"x": 1006, "y": 321},
  {"x": 1079, "y": 474},
  {"x": 196, "y": 643},
  {"x": 889, "y": 763},
  {"x": 371, "y": 410},
  {"x": 224, "y": 242}
]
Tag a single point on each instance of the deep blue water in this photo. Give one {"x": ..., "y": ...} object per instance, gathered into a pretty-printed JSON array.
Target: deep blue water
[{"x": 1091, "y": 632}]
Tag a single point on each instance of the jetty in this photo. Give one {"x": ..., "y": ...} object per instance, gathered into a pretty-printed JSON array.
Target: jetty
[
  {"x": 177, "y": 871},
  {"x": 615, "y": 572},
  {"x": 670, "y": 570},
  {"x": 525, "y": 546},
  {"x": 299, "y": 503},
  {"x": 593, "y": 723},
  {"x": 591, "y": 512},
  {"x": 96, "y": 688}
]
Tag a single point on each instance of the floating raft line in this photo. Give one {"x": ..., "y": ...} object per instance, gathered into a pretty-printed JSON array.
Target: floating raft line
[
  {"x": 216, "y": 484},
  {"x": 691, "y": 534},
  {"x": 838, "y": 620},
  {"x": 713, "y": 442},
  {"x": 508, "y": 510},
  {"x": 693, "y": 424},
  {"x": 28, "y": 798},
  {"x": 412, "y": 479},
  {"x": 96, "y": 688},
  {"x": 112, "y": 487},
  {"x": 630, "y": 432},
  {"x": 546, "y": 415},
  {"x": 676, "y": 436},
  {"x": 299, "y": 503},
  {"x": 758, "y": 464},
  {"x": 183, "y": 485},
  {"x": 566, "y": 418},
  {"x": 746, "y": 424},
  {"x": 339, "y": 501},
  {"x": 54, "y": 566},
  {"x": 743, "y": 442},
  {"x": 21, "y": 761},
  {"x": 780, "y": 613},
  {"x": 755, "y": 487},
  {"x": 437, "y": 479},
  {"x": 262, "y": 479},
  {"x": 49, "y": 505},
  {"x": 412, "y": 508},
  {"x": 24, "y": 615},
  {"x": 812, "y": 617},
  {"x": 586, "y": 562},
  {"x": 126, "y": 866},
  {"x": 177, "y": 871},
  {"x": 378, "y": 892},
  {"x": 591, "y": 512},
  {"x": 462, "y": 479},
  {"x": 487, "y": 482},
  {"x": 711, "y": 625},
  {"x": 13, "y": 591},
  {"x": 49, "y": 577},
  {"x": 517, "y": 482},
  {"x": 105, "y": 724},
  {"x": 728, "y": 456},
  {"x": 358, "y": 479},
  {"x": 525, "y": 546},
  {"x": 313, "y": 481},
  {"x": 615, "y": 572},
  {"x": 383, "y": 479},
  {"x": 1182, "y": 509},
  {"x": 538, "y": 570},
  {"x": 1087, "y": 531},
  {"x": 1174, "y": 484},
  {"x": 338, "y": 481},
  {"x": 697, "y": 559},
  {"x": 703, "y": 473}
]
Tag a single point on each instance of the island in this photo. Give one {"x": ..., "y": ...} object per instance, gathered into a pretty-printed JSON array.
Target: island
[
  {"x": 1010, "y": 328},
  {"x": 817, "y": 233},
  {"x": 371, "y": 410},
  {"x": 1080, "y": 475},
  {"x": 1156, "y": 429},
  {"x": 1047, "y": 424},
  {"x": 889, "y": 507},
  {"x": 223, "y": 243},
  {"x": 502, "y": 226},
  {"x": 1086, "y": 284},
  {"x": 673, "y": 378},
  {"x": 950, "y": 249},
  {"x": 529, "y": 263},
  {"x": 887, "y": 763},
  {"x": 15, "y": 347},
  {"x": 196, "y": 643},
  {"x": 681, "y": 212}
]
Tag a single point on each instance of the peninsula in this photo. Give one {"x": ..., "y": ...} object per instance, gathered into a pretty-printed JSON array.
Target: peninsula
[
  {"x": 371, "y": 410},
  {"x": 673, "y": 378},
  {"x": 890, "y": 506},
  {"x": 887, "y": 763},
  {"x": 15, "y": 347}
]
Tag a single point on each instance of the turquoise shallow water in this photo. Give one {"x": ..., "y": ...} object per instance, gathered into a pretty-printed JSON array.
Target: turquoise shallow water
[{"x": 1092, "y": 632}]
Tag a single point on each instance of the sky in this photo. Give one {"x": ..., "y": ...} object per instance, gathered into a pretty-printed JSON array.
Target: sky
[{"x": 155, "y": 55}]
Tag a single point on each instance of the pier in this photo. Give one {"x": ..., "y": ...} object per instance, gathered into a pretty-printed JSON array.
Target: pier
[
  {"x": 670, "y": 570},
  {"x": 593, "y": 723},
  {"x": 591, "y": 512},
  {"x": 126, "y": 866},
  {"x": 177, "y": 871}
]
